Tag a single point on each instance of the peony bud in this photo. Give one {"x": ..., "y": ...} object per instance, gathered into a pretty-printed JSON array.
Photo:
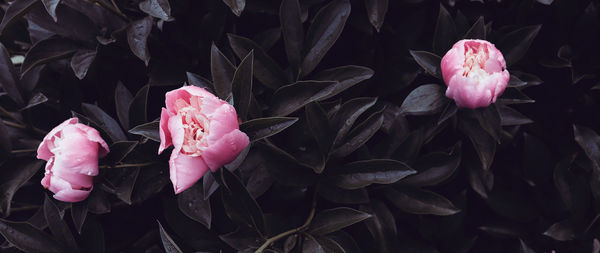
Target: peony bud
[
  {"x": 71, "y": 150},
  {"x": 475, "y": 73},
  {"x": 204, "y": 131}
]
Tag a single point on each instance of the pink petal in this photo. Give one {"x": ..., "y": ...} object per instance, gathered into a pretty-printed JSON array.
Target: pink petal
[
  {"x": 222, "y": 122},
  {"x": 185, "y": 170},
  {"x": 71, "y": 195},
  {"x": 165, "y": 134},
  {"x": 225, "y": 149},
  {"x": 43, "y": 151},
  {"x": 76, "y": 155},
  {"x": 175, "y": 126},
  {"x": 93, "y": 135},
  {"x": 467, "y": 92}
]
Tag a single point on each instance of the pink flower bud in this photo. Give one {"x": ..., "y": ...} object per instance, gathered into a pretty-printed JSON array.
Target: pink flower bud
[
  {"x": 475, "y": 73},
  {"x": 72, "y": 150},
  {"x": 204, "y": 131}
]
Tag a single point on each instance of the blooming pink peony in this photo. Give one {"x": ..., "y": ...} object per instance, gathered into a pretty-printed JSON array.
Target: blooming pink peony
[
  {"x": 72, "y": 150},
  {"x": 204, "y": 131},
  {"x": 475, "y": 73}
]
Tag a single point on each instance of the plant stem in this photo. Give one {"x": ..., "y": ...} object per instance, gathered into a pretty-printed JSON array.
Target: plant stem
[
  {"x": 7, "y": 113},
  {"x": 127, "y": 165},
  {"x": 19, "y": 151},
  {"x": 112, "y": 8},
  {"x": 292, "y": 231},
  {"x": 22, "y": 126},
  {"x": 24, "y": 208}
]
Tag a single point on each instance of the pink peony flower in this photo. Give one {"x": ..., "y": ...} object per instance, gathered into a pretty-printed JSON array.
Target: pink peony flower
[
  {"x": 72, "y": 150},
  {"x": 204, "y": 131},
  {"x": 475, "y": 73}
]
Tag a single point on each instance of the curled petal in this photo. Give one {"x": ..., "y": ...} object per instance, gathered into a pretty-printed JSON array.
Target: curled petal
[
  {"x": 165, "y": 134},
  {"x": 185, "y": 170},
  {"x": 225, "y": 149}
]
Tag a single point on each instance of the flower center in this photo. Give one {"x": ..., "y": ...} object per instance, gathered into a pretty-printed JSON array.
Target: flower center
[
  {"x": 476, "y": 54},
  {"x": 194, "y": 126}
]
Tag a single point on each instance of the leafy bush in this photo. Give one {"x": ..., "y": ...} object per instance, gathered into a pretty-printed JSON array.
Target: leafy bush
[{"x": 354, "y": 145}]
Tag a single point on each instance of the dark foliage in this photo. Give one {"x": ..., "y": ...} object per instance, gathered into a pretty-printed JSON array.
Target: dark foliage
[{"x": 354, "y": 146}]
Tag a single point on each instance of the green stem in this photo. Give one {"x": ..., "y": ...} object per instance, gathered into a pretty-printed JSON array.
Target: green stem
[
  {"x": 112, "y": 8},
  {"x": 127, "y": 165},
  {"x": 304, "y": 226},
  {"x": 22, "y": 126},
  {"x": 7, "y": 113},
  {"x": 20, "y": 151}
]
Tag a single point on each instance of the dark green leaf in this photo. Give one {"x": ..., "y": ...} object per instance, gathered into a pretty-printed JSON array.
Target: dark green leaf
[
  {"x": 489, "y": 120},
  {"x": 81, "y": 61},
  {"x": 444, "y": 35},
  {"x": 528, "y": 78},
  {"x": 418, "y": 201},
  {"x": 241, "y": 86},
  {"x": 330, "y": 245},
  {"x": 11, "y": 180},
  {"x": 209, "y": 185},
  {"x": 484, "y": 144},
  {"x": 92, "y": 237},
  {"x": 8, "y": 77},
  {"x": 481, "y": 180},
  {"x": 525, "y": 248},
  {"x": 477, "y": 31},
  {"x": 51, "y": 7},
  {"x": 267, "y": 38},
  {"x": 561, "y": 231},
  {"x": 545, "y": 2},
  {"x": 199, "y": 81},
  {"x": 79, "y": 212},
  {"x": 377, "y": 10},
  {"x": 193, "y": 204},
  {"x": 47, "y": 50},
  {"x": 222, "y": 71},
  {"x": 377, "y": 171},
  {"x": 514, "y": 96},
  {"x": 119, "y": 150},
  {"x": 71, "y": 24},
  {"x": 104, "y": 121},
  {"x": 242, "y": 239},
  {"x": 434, "y": 168},
  {"x": 448, "y": 112},
  {"x": 239, "y": 205},
  {"x": 382, "y": 226},
  {"x": 515, "y": 44},
  {"x": 360, "y": 134},
  {"x": 29, "y": 239},
  {"x": 514, "y": 81},
  {"x": 323, "y": 32},
  {"x": 36, "y": 99},
  {"x": 589, "y": 141},
  {"x": 331, "y": 220},
  {"x": 5, "y": 143},
  {"x": 346, "y": 241},
  {"x": 430, "y": 62},
  {"x": 168, "y": 243},
  {"x": 258, "y": 129},
  {"x": 311, "y": 245},
  {"x": 566, "y": 183},
  {"x": 290, "y": 98},
  {"x": 236, "y": 6},
  {"x": 335, "y": 194},
  {"x": 319, "y": 126},
  {"x": 138, "y": 107},
  {"x": 59, "y": 228},
  {"x": 98, "y": 203},
  {"x": 349, "y": 112},
  {"x": 123, "y": 99},
  {"x": 137, "y": 35},
  {"x": 425, "y": 99},
  {"x": 266, "y": 70},
  {"x": 15, "y": 10},
  {"x": 127, "y": 180},
  {"x": 346, "y": 76},
  {"x": 156, "y": 8},
  {"x": 511, "y": 117},
  {"x": 292, "y": 30}
]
